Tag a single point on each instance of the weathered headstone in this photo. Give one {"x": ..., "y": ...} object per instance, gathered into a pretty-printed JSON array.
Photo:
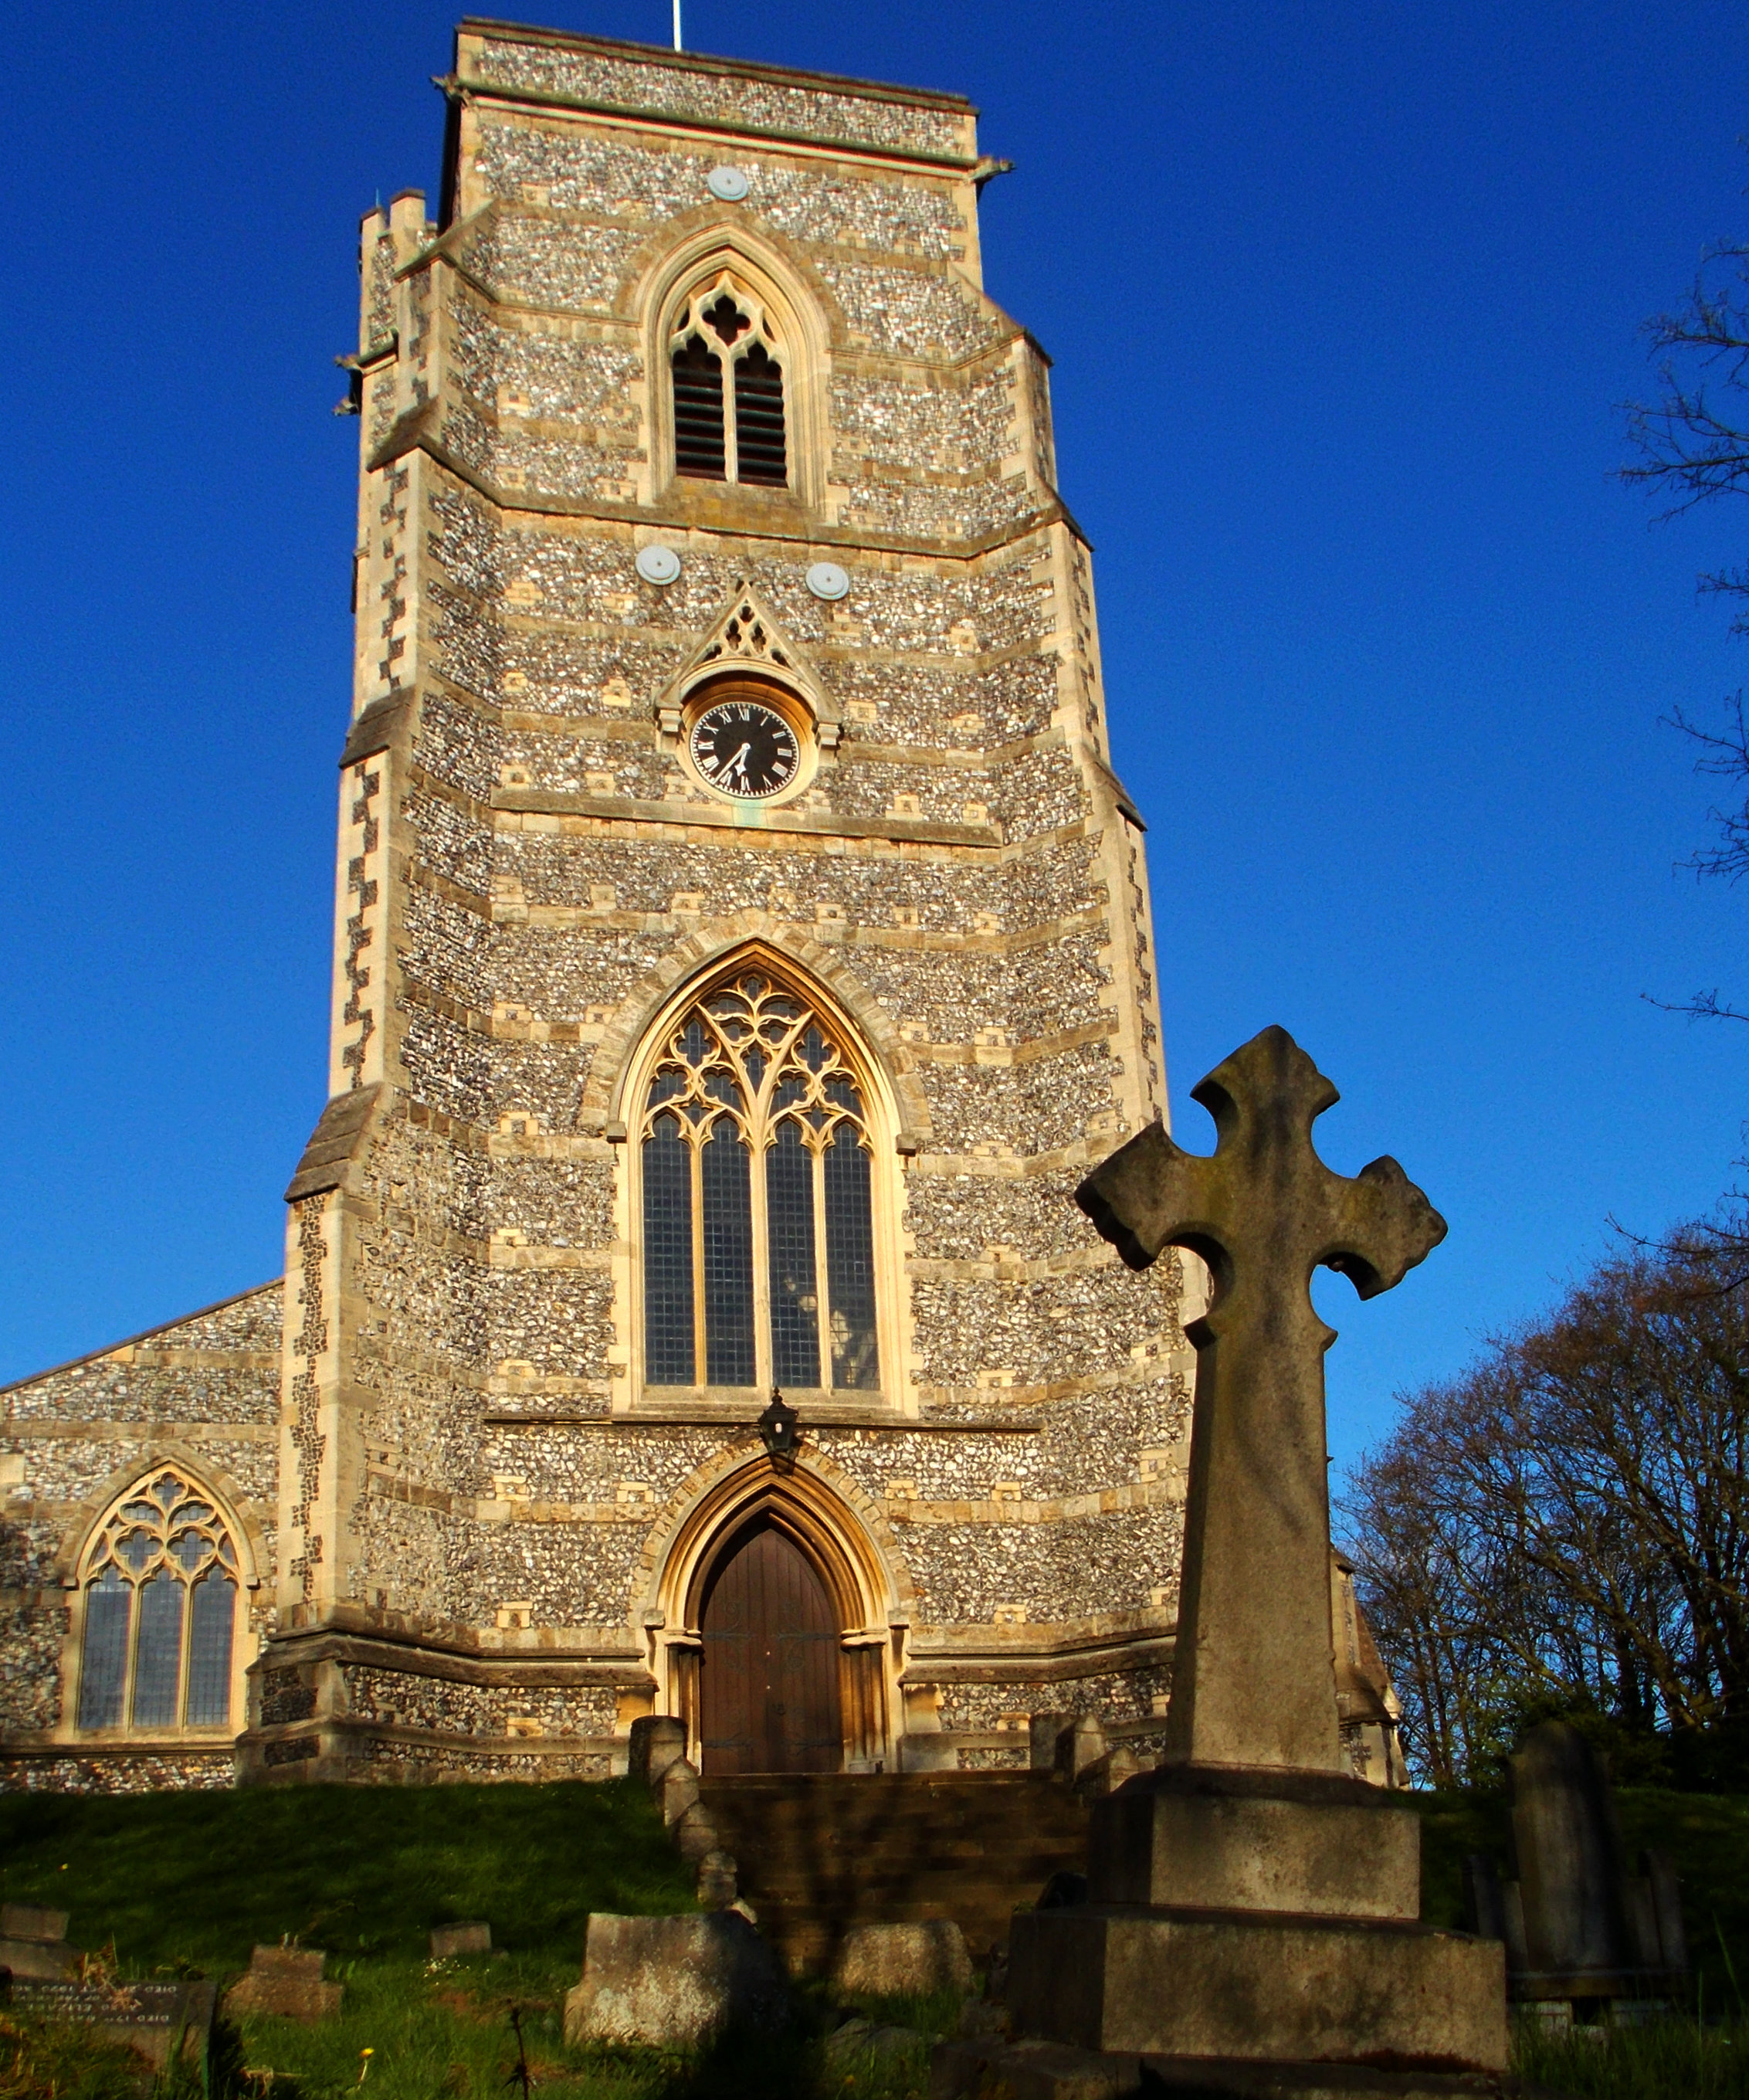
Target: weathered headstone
[
  {"x": 1582, "y": 1934},
  {"x": 902, "y": 1960},
  {"x": 163, "y": 2022},
  {"x": 1251, "y": 1902},
  {"x": 466, "y": 1936},
  {"x": 859, "y": 2043},
  {"x": 287, "y": 1982},
  {"x": 34, "y": 1942},
  {"x": 1042, "y": 1731},
  {"x": 719, "y": 1882},
  {"x": 657, "y": 1741},
  {"x": 673, "y": 1981}
]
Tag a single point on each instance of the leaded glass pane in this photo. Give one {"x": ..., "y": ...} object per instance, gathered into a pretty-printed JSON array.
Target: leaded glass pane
[
  {"x": 188, "y": 1549},
  {"x": 103, "y": 1666},
  {"x": 158, "y": 1651},
  {"x": 850, "y": 1264},
  {"x": 212, "y": 1616},
  {"x": 789, "y": 1205},
  {"x": 728, "y": 1259},
  {"x": 761, "y": 1078},
  {"x": 667, "y": 1256}
]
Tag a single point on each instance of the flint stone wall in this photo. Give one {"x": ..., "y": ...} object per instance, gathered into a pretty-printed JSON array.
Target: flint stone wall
[
  {"x": 201, "y": 1394},
  {"x": 955, "y": 870}
]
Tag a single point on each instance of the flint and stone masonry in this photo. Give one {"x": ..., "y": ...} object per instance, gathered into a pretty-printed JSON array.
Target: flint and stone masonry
[{"x": 471, "y": 1539}]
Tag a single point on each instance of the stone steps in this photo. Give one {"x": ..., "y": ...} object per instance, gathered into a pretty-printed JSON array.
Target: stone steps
[{"x": 818, "y": 1852}]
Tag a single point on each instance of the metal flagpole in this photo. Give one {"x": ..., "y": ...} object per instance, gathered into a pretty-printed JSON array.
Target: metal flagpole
[{"x": 677, "y": 24}]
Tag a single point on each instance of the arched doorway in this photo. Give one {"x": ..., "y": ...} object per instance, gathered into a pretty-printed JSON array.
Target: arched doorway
[{"x": 769, "y": 1673}]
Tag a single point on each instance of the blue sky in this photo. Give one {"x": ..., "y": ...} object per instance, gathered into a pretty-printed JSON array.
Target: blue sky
[{"x": 1342, "y": 299}]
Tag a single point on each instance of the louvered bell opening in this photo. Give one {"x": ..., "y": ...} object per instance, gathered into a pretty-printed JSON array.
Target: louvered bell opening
[
  {"x": 699, "y": 412},
  {"x": 760, "y": 456}
]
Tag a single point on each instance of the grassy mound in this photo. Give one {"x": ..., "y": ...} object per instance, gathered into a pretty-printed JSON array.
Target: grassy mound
[{"x": 196, "y": 1880}]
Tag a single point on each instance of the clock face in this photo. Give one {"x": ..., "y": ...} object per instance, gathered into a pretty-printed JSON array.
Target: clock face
[{"x": 745, "y": 750}]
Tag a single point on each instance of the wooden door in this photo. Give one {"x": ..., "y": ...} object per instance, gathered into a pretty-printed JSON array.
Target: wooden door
[{"x": 768, "y": 1683}]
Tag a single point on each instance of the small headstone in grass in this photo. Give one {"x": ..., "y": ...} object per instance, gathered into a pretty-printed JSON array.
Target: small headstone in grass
[
  {"x": 286, "y": 1982},
  {"x": 863, "y": 2038},
  {"x": 34, "y": 1942},
  {"x": 468, "y": 1936},
  {"x": 157, "y": 2021},
  {"x": 903, "y": 1961},
  {"x": 672, "y": 1982}
]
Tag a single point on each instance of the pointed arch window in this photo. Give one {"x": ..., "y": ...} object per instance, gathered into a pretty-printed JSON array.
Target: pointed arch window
[
  {"x": 159, "y": 1585},
  {"x": 757, "y": 1226},
  {"x": 727, "y": 369}
]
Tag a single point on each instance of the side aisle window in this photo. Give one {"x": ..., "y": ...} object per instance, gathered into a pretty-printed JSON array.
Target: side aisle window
[
  {"x": 160, "y": 1583},
  {"x": 728, "y": 376}
]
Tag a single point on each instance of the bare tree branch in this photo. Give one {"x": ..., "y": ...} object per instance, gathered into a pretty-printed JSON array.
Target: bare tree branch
[{"x": 1567, "y": 1524}]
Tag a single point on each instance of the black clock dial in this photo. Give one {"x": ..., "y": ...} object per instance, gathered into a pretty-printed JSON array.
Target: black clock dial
[{"x": 745, "y": 750}]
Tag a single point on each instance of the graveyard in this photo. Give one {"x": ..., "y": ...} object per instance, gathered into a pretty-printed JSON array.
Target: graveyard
[
  {"x": 170, "y": 1885},
  {"x": 1252, "y": 1918},
  {"x": 459, "y": 1667}
]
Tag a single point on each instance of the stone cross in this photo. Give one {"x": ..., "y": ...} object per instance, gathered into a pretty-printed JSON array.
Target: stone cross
[{"x": 1253, "y": 1681}]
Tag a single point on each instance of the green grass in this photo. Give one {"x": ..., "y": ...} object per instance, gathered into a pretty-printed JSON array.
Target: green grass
[
  {"x": 1665, "y": 2060},
  {"x": 449, "y": 2030},
  {"x": 41, "y": 2061},
  {"x": 192, "y": 1881},
  {"x": 196, "y": 1880}
]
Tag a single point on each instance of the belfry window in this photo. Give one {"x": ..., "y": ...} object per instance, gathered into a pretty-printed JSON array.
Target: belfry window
[
  {"x": 729, "y": 415},
  {"x": 758, "y": 1244},
  {"x": 160, "y": 1586}
]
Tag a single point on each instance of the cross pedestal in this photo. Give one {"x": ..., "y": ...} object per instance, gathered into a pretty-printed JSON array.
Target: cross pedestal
[{"x": 1252, "y": 1920}]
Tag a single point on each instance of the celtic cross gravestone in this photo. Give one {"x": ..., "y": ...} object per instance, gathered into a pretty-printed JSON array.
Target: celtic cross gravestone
[
  {"x": 1251, "y": 1901},
  {"x": 1254, "y": 1679}
]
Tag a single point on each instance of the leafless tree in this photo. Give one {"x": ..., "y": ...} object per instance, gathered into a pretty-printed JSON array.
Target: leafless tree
[
  {"x": 1691, "y": 442},
  {"x": 1567, "y": 1524}
]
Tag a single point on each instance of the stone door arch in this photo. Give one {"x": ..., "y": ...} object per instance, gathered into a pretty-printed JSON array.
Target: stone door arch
[
  {"x": 769, "y": 1695},
  {"x": 838, "y": 1609}
]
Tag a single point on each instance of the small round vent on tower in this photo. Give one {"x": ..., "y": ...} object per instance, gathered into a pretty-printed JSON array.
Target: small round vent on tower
[{"x": 658, "y": 564}]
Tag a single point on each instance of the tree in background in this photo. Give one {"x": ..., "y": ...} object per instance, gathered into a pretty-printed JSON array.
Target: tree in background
[
  {"x": 1691, "y": 440},
  {"x": 1565, "y": 1528}
]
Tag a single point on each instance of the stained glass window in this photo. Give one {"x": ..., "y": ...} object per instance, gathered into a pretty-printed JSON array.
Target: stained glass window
[
  {"x": 160, "y": 1600},
  {"x": 759, "y": 1239}
]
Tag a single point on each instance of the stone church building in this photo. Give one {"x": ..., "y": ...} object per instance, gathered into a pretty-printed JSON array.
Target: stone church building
[{"x": 741, "y": 950}]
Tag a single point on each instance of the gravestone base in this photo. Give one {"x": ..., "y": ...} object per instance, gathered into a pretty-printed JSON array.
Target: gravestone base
[
  {"x": 1248, "y": 1987},
  {"x": 992, "y": 2069},
  {"x": 1256, "y": 1838}
]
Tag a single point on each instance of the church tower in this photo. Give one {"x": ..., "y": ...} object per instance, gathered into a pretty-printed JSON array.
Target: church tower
[{"x": 741, "y": 951}]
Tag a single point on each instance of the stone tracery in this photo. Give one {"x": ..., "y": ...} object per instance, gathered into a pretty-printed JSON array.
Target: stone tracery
[
  {"x": 768, "y": 1276},
  {"x": 159, "y": 1584}
]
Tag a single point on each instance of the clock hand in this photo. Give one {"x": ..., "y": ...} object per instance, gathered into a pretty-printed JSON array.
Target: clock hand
[{"x": 739, "y": 759}]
